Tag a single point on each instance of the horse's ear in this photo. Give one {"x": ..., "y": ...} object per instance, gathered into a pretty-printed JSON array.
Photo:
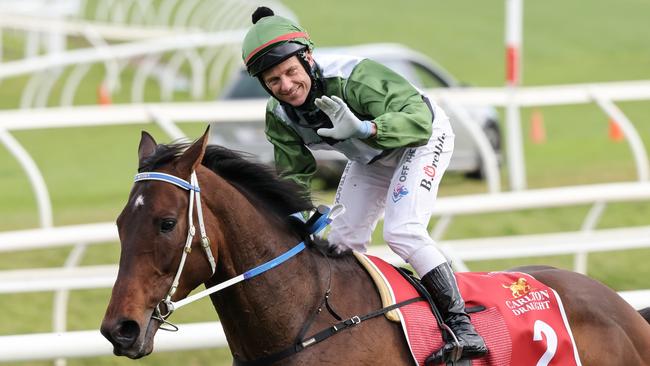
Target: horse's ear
[
  {"x": 192, "y": 157},
  {"x": 147, "y": 146}
]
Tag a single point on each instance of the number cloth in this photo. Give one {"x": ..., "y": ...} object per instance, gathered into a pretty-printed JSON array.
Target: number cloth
[{"x": 523, "y": 322}]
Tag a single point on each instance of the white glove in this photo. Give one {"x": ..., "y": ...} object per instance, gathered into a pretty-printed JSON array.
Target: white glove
[{"x": 346, "y": 124}]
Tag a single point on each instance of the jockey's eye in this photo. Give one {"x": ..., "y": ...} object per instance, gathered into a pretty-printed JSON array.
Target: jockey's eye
[{"x": 167, "y": 225}]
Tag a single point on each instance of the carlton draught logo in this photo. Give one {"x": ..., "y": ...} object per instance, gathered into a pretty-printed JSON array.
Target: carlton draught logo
[
  {"x": 525, "y": 298},
  {"x": 519, "y": 288}
]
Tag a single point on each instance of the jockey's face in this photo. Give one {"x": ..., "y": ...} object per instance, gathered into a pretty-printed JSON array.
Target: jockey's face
[{"x": 288, "y": 81}]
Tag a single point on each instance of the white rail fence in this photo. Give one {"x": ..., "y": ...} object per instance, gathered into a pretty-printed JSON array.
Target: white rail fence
[
  {"x": 156, "y": 52},
  {"x": 203, "y": 14},
  {"x": 206, "y": 54},
  {"x": 71, "y": 27},
  {"x": 47, "y": 23},
  {"x": 91, "y": 343}
]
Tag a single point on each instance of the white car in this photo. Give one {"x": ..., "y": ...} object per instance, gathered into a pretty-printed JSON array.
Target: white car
[{"x": 417, "y": 68}]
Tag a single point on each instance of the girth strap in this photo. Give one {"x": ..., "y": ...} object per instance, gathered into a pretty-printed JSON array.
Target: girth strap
[{"x": 322, "y": 335}]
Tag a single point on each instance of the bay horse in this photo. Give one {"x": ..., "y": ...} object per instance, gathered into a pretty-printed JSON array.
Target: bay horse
[{"x": 244, "y": 222}]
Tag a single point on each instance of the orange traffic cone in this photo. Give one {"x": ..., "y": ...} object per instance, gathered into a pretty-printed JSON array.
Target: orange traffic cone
[
  {"x": 537, "y": 130},
  {"x": 615, "y": 132},
  {"x": 103, "y": 95}
]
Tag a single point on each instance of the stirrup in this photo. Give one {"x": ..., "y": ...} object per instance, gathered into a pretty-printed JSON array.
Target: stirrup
[{"x": 449, "y": 354}]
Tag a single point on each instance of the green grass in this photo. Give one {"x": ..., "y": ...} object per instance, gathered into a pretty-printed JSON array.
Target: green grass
[{"x": 89, "y": 170}]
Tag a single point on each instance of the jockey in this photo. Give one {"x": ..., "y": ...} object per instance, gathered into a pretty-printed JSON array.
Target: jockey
[{"x": 398, "y": 143}]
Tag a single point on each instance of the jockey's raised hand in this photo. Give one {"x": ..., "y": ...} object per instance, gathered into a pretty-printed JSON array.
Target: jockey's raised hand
[{"x": 346, "y": 124}]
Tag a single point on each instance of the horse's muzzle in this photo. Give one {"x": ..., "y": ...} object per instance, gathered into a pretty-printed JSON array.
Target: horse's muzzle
[
  {"x": 127, "y": 338},
  {"x": 123, "y": 334}
]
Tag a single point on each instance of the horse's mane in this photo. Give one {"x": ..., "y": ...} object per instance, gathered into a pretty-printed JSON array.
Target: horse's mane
[
  {"x": 255, "y": 180},
  {"x": 283, "y": 196}
]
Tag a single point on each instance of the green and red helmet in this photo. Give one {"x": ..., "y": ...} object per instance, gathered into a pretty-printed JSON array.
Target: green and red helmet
[{"x": 271, "y": 40}]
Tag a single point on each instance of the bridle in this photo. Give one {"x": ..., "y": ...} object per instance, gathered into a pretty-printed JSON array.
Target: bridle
[
  {"x": 314, "y": 225},
  {"x": 195, "y": 195}
]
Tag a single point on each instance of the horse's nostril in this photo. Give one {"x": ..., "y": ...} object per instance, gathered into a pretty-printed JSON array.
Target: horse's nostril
[{"x": 126, "y": 332}]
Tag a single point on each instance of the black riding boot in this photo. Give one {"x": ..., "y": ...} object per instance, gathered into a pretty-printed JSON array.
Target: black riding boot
[{"x": 442, "y": 286}]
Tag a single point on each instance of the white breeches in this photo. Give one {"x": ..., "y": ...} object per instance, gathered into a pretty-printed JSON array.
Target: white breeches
[{"x": 403, "y": 186}]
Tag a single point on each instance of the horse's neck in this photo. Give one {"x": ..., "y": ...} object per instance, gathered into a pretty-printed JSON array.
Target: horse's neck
[
  {"x": 268, "y": 311},
  {"x": 249, "y": 236},
  {"x": 262, "y": 312}
]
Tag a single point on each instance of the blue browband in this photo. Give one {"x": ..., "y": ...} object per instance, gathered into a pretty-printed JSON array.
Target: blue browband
[{"x": 166, "y": 178}]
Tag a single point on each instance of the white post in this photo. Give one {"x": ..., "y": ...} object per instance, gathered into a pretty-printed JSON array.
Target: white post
[
  {"x": 631, "y": 134},
  {"x": 32, "y": 44},
  {"x": 167, "y": 125},
  {"x": 488, "y": 155},
  {"x": 56, "y": 37},
  {"x": 33, "y": 174},
  {"x": 516, "y": 168}
]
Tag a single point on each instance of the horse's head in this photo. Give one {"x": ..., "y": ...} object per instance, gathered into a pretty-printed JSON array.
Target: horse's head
[{"x": 153, "y": 230}]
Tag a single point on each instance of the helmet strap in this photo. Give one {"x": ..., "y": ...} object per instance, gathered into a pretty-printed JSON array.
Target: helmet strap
[{"x": 317, "y": 88}]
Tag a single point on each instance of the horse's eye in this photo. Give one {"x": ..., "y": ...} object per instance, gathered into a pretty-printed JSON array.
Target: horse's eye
[{"x": 167, "y": 225}]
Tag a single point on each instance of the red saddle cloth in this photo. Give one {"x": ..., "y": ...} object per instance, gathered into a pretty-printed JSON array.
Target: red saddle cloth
[{"x": 523, "y": 322}]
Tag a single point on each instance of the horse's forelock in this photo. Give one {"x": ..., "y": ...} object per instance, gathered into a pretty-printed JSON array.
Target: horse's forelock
[{"x": 164, "y": 154}]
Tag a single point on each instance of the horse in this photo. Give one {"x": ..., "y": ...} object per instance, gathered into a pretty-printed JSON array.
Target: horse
[{"x": 245, "y": 221}]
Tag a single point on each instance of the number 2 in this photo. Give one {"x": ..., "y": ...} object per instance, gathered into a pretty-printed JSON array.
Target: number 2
[{"x": 540, "y": 328}]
